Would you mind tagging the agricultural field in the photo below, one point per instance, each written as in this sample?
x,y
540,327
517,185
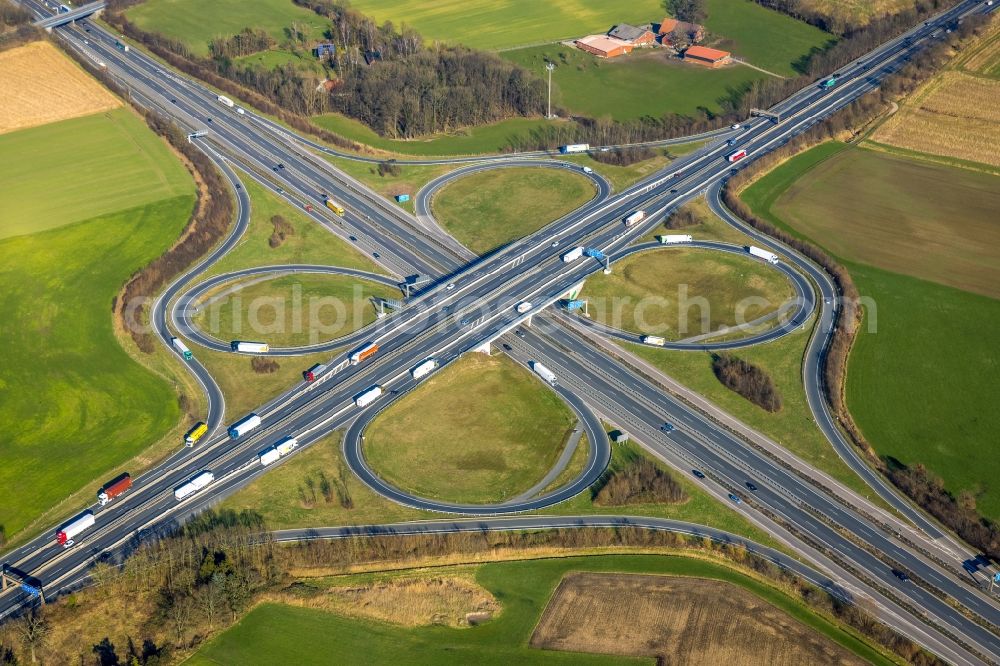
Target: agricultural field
x,y
954,115
488,25
438,441
83,168
983,57
41,86
763,37
920,380
899,214
196,23
277,632
704,621
856,12
488,209
290,310
644,83
682,292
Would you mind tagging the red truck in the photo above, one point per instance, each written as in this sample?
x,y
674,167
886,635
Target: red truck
x,y
737,156
114,489
309,207
313,372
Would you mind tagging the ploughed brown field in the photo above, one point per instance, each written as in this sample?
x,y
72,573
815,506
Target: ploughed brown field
x,y
678,621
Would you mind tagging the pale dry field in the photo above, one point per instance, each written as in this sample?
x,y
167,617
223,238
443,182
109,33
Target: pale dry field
x,y
451,601
955,115
861,11
983,58
679,621
40,85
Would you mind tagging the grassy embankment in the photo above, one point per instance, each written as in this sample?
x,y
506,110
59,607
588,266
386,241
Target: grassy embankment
x,y
920,380
278,632
76,405
488,209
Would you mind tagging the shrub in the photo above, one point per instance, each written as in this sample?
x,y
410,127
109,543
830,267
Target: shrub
x,y
640,482
748,380
263,365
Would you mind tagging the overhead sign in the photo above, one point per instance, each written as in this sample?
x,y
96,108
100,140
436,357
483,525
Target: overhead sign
x,y
31,589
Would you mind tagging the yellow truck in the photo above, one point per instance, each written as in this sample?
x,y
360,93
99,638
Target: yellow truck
x,y
334,206
195,433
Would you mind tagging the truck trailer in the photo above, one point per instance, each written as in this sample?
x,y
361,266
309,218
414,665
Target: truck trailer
x,y
574,148
367,397
244,425
195,433
544,372
268,456
181,348
632,218
193,485
244,347
334,206
737,156
75,527
769,257
312,373
364,353
670,239
114,489
573,254
424,368
225,101
653,340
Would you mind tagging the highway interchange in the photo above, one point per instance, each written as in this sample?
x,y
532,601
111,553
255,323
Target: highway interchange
x,y
854,542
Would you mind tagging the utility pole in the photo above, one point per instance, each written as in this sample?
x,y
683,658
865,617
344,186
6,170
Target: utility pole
x,y
550,66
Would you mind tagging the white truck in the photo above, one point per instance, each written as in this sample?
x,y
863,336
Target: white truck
x,y
225,101
286,445
653,340
72,529
268,456
632,218
574,148
523,307
670,239
367,397
769,257
573,254
544,372
181,348
424,368
196,483
244,425
250,347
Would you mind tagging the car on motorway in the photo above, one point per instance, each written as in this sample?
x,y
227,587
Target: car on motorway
x,y
736,126
507,347
451,285
354,239
901,575
735,498
698,473
209,120
308,207
466,321
674,191
238,186
731,142
376,255
751,486
280,165
519,333
667,427
555,243
173,101
274,169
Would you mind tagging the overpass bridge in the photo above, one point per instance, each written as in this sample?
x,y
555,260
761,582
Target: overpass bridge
x,y
62,18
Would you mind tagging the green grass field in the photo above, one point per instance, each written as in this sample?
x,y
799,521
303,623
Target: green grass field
x,y
919,387
662,292
438,442
763,37
197,23
292,310
491,138
488,209
274,633
409,181
644,83
483,24
75,404
310,243
78,169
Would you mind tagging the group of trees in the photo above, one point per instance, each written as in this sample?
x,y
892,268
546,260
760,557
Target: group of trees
x,y
244,43
622,156
640,481
682,217
16,27
282,230
262,365
691,11
747,379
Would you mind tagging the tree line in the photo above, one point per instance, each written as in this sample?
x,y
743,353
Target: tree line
x,y
244,43
958,513
691,11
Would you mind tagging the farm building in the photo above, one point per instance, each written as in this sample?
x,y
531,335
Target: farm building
x,y
603,47
675,33
632,35
703,55
321,50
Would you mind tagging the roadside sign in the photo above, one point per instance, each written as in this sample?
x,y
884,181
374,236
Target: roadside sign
x,y
30,589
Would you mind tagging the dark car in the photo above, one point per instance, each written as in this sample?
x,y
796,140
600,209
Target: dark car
x,y
519,333
173,101
209,120
735,498
353,238
376,255
698,473
238,186
667,427
901,575
507,347
274,168
751,486
280,165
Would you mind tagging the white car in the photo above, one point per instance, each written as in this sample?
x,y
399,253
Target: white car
x,y
736,126
451,285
